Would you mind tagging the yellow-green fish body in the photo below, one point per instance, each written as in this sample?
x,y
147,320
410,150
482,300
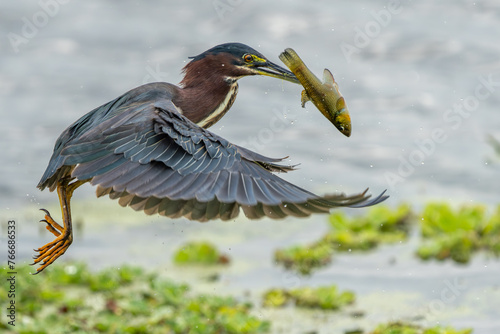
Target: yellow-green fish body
x,y
325,95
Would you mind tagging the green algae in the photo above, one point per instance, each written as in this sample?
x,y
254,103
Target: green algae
x,y
71,299
324,297
403,328
457,233
199,252
380,225
362,233
304,259
446,233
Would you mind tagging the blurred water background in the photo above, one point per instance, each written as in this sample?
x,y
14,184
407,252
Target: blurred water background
x,y
422,82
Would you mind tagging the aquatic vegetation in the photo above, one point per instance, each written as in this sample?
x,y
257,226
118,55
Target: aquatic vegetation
x,y
447,233
199,252
458,247
325,298
276,298
456,234
381,225
71,299
304,258
403,328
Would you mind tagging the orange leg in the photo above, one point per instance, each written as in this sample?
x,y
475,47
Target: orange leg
x,y
64,235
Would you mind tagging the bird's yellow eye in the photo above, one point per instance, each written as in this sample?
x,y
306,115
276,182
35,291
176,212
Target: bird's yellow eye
x,y
248,58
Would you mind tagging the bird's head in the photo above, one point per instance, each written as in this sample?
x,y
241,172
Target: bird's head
x,y
230,62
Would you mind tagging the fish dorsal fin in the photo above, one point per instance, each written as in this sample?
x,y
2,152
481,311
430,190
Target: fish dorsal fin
x,y
328,77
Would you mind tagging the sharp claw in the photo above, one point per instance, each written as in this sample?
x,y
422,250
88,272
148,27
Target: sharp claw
x,y
48,253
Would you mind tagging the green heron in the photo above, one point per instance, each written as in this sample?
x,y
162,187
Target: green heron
x,y
151,150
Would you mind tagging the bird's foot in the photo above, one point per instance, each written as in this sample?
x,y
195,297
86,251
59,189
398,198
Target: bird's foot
x,y
52,226
54,249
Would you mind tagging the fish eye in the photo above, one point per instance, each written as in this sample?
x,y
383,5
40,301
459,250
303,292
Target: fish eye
x,y
248,58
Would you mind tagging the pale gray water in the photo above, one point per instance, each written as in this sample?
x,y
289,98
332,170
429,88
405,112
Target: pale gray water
x,y
401,85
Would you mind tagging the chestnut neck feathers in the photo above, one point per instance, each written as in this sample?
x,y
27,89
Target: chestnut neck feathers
x,y
208,89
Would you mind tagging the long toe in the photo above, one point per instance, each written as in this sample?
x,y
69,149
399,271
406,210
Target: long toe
x,y
50,221
49,245
50,228
47,252
52,251
54,254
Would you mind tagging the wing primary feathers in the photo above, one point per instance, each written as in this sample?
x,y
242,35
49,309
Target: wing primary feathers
x,y
140,150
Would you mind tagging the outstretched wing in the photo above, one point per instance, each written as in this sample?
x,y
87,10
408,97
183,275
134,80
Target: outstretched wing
x,y
152,158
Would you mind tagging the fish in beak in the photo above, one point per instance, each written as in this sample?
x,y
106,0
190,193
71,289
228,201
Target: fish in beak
x,y
324,95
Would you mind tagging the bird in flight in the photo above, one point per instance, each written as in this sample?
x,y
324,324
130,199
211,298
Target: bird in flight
x,y
150,149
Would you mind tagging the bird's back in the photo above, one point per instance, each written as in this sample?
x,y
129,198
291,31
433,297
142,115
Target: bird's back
x,y
57,169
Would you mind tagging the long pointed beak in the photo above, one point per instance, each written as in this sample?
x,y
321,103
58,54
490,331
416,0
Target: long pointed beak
x,y
272,70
